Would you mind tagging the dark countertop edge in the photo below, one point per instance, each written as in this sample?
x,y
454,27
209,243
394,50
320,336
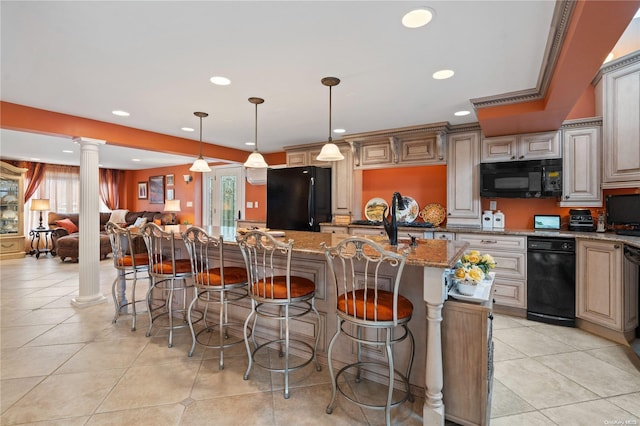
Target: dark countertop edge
x,y
601,236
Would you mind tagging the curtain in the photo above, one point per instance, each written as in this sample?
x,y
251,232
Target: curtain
x,y
61,185
33,177
109,184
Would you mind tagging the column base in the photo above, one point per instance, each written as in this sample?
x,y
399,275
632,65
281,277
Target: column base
x,y
86,301
432,416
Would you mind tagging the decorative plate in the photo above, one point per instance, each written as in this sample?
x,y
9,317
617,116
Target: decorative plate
x,y
7,199
410,212
9,214
433,213
375,209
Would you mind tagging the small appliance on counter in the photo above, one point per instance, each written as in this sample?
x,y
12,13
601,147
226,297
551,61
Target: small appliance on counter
x,y
581,220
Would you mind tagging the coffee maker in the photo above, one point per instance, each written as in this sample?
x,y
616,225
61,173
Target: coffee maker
x,y
581,220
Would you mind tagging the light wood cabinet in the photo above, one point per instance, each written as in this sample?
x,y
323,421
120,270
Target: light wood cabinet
x,y
510,253
331,229
403,147
581,167
463,180
618,94
11,211
467,359
599,290
532,146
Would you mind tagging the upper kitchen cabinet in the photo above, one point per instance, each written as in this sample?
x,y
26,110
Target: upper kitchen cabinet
x,y
402,147
618,101
463,179
531,146
581,163
305,157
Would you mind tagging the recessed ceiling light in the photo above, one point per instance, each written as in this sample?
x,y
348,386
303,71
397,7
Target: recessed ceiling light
x,y
135,159
417,18
461,113
250,143
120,113
187,129
443,74
67,151
220,81
339,130
35,159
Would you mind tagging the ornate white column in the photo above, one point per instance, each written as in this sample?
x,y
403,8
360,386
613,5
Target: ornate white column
x,y
89,249
433,410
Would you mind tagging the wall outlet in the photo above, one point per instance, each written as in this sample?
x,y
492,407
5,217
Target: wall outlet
x,y
493,205
189,203
249,204
255,204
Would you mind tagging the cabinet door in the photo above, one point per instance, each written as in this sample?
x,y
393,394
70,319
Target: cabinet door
x,y
538,146
500,148
376,154
420,150
599,286
621,121
297,159
581,168
346,192
367,231
463,185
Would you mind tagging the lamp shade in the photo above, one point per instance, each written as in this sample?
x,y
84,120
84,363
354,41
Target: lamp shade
x,y
256,161
330,152
40,204
200,165
172,206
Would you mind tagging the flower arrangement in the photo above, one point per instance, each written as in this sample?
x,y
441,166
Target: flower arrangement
x,y
472,267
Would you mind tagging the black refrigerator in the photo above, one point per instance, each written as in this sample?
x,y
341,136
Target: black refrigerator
x,y
298,198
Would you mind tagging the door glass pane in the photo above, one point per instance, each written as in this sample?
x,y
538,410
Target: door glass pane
x,y
228,205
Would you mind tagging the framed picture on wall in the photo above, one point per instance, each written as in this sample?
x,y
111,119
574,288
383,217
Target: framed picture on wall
x,y
169,181
156,189
142,190
170,194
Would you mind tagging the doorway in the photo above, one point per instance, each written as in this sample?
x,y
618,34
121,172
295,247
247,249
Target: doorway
x,y
223,198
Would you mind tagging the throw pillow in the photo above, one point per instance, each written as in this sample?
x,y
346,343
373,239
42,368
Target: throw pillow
x,y
67,224
118,216
139,222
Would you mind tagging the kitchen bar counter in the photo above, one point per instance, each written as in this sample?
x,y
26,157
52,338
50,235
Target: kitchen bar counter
x,y
421,283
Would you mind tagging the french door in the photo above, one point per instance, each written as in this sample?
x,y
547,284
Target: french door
x,y
223,198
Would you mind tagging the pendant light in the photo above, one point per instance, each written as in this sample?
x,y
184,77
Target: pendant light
x,y
330,151
200,165
255,160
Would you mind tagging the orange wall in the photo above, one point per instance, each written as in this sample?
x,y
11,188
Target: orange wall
x,y
425,184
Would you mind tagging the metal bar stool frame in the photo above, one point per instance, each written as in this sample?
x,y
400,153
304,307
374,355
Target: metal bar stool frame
x,y
216,284
277,297
128,264
165,270
364,304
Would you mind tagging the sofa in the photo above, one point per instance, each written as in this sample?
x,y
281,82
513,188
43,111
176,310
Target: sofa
x,y
66,236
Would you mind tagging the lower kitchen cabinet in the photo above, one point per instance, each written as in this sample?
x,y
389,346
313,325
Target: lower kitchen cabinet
x,y
467,359
510,254
603,295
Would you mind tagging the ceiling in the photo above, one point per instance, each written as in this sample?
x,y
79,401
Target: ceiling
x,y
154,60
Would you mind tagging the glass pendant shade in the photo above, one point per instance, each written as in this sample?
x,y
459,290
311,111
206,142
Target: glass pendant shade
x,y
200,165
256,160
330,152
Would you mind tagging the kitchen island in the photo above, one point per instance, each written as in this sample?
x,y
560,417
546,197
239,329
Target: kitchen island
x,y
421,282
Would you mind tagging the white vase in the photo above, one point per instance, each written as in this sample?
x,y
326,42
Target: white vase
x,y
466,289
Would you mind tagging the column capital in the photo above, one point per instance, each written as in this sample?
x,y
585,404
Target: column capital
x,y
89,141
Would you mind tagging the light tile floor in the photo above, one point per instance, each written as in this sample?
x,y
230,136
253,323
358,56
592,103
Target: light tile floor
x,y
66,366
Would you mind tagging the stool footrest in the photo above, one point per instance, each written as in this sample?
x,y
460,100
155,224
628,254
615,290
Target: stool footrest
x,y
353,396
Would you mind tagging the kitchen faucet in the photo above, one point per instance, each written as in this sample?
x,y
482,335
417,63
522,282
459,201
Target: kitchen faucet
x,y
391,228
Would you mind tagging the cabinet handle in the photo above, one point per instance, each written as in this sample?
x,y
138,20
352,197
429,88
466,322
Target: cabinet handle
x,y
521,157
566,197
617,246
489,241
513,157
491,317
448,214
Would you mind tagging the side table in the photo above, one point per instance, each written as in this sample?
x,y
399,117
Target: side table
x,y
36,234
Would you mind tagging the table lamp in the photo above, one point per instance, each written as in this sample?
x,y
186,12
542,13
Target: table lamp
x,y
172,206
42,205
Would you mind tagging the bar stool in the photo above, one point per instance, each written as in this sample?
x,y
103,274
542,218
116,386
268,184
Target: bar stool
x,y
169,275
276,295
129,264
217,285
369,311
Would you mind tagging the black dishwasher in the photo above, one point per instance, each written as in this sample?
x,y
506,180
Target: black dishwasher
x,y
551,280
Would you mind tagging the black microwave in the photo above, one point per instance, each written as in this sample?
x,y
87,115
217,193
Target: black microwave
x,y
522,179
